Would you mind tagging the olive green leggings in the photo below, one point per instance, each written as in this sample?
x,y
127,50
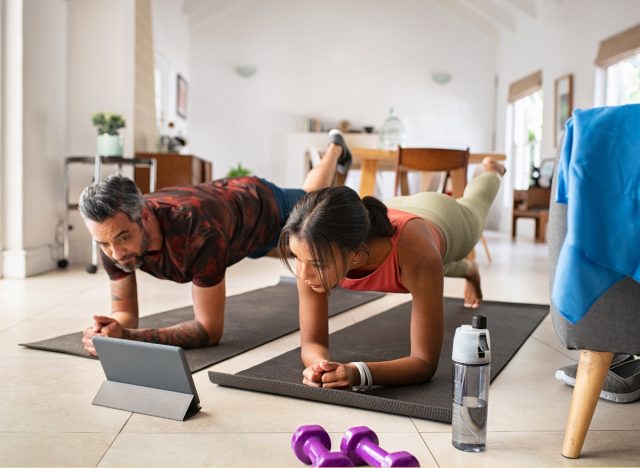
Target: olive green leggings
x,y
461,220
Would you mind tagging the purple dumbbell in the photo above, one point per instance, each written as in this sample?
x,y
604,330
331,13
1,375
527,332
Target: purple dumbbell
x,y
312,446
360,444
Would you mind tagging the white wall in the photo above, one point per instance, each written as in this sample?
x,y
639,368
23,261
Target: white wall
x,y
36,135
101,74
65,60
101,68
334,60
45,111
3,41
12,148
171,43
564,38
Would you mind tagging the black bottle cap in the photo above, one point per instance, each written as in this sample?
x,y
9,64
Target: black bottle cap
x,y
479,321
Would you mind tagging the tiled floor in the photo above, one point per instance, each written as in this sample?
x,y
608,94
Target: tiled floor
x,y
46,416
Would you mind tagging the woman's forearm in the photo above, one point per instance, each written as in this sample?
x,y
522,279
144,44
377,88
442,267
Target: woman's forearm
x,y
313,353
403,371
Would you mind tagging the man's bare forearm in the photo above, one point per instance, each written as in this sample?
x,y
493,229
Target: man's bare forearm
x,y
124,301
185,335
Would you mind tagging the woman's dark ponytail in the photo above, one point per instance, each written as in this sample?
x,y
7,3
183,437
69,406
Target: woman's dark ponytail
x,y
334,216
380,224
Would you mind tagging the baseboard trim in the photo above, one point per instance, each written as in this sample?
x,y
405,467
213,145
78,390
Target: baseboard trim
x,y
24,263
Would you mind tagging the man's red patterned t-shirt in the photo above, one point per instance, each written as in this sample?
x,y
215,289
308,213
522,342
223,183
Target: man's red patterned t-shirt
x,y
206,228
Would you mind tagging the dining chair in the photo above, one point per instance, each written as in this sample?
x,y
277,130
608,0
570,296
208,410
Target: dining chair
x,y
452,162
531,203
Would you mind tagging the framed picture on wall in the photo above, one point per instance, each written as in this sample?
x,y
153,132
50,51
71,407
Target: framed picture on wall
x,y
182,88
563,105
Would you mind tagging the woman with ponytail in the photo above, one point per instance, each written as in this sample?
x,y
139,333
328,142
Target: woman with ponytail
x,y
406,245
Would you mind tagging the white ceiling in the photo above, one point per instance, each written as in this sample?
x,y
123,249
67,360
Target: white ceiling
x,y
490,17
201,11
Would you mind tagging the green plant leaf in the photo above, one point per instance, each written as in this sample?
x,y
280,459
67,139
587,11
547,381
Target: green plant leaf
x,y
238,171
106,122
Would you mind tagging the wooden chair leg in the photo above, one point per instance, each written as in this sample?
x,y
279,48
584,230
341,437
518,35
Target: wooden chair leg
x,y
543,228
404,183
592,371
339,179
540,228
486,247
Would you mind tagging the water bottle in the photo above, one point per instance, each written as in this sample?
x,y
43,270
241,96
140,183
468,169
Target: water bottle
x,y
471,372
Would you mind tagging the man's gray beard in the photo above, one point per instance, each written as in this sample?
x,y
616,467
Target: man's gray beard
x,y
128,269
139,258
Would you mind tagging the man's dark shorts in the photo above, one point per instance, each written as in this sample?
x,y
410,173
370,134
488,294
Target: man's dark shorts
x,y
286,199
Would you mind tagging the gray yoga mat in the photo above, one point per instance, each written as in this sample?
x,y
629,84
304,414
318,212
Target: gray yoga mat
x,y
385,337
251,319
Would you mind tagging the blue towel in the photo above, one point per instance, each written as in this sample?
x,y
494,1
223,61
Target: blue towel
x,y
599,181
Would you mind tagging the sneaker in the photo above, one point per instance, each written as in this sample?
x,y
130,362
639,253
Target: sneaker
x,y
622,384
345,159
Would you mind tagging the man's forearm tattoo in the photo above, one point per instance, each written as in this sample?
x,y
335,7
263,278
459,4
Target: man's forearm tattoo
x,y
185,335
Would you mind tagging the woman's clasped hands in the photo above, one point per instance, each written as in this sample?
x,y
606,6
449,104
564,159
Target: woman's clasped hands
x,y
329,374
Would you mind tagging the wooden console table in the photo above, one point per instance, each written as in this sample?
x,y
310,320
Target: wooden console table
x,y
174,169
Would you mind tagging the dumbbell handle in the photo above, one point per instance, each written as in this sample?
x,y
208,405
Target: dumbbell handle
x,y
314,449
372,453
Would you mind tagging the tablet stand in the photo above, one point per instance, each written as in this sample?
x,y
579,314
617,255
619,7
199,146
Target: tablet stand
x,y
145,400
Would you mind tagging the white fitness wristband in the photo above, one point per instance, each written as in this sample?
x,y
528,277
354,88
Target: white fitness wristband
x,y
366,380
369,377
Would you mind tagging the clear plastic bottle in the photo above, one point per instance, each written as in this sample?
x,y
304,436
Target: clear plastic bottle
x,y
391,133
471,374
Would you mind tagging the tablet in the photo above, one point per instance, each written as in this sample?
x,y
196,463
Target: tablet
x,y
146,364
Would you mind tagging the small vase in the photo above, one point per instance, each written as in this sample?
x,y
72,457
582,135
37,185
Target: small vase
x,y
392,133
109,145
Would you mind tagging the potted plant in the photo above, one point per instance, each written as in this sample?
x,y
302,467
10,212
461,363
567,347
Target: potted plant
x,y
238,171
109,138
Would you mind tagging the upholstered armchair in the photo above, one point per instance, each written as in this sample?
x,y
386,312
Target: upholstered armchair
x,y
612,325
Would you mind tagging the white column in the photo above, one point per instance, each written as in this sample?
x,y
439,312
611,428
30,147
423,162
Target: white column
x,y
13,253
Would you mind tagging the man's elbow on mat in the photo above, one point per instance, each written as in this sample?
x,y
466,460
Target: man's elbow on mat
x,y
215,335
195,334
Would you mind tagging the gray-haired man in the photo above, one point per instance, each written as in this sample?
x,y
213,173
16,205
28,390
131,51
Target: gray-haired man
x,y
187,234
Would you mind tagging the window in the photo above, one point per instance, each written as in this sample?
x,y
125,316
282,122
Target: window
x,y
161,74
527,130
618,73
157,82
623,82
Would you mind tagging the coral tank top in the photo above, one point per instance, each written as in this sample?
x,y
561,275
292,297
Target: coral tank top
x,y
386,278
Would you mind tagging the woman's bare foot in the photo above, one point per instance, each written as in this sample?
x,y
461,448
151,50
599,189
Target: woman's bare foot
x,y
491,165
472,291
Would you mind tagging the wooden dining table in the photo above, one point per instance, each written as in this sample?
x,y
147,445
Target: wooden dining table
x,y
371,160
